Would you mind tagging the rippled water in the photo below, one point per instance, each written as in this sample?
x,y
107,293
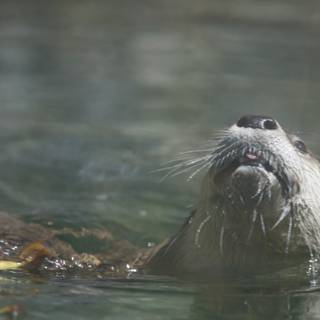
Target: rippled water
x,y
95,95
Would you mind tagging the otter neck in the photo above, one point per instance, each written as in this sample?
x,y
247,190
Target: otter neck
x,y
225,234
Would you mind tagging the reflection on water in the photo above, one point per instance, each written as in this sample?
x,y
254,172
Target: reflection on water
x,y
96,94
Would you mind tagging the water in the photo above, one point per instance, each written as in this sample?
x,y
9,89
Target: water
x,y
96,94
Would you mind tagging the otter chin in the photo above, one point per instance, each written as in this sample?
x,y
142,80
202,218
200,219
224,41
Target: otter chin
x,y
259,206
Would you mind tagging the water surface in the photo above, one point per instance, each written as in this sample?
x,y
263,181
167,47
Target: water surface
x,y
95,95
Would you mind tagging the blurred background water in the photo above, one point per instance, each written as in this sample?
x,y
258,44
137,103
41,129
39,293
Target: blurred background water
x,y
95,95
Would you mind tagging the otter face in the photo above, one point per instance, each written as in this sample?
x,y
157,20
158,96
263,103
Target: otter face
x,y
260,169
255,154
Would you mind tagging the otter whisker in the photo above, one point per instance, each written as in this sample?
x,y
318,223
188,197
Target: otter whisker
x,y
196,151
225,146
222,229
199,230
285,212
181,159
223,157
263,226
225,149
289,234
259,192
269,193
185,163
253,221
205,165
185,166
176,162
226,153
221,134
186,158
182,170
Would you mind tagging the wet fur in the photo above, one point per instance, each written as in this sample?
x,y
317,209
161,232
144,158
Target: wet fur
x,y
224,233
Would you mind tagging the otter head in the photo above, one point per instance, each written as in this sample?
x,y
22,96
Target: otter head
x,y
260,203
263,187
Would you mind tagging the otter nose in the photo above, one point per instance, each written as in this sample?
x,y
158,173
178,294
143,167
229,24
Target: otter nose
x,y
257,122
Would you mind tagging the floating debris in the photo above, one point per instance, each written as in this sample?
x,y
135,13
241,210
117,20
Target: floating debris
x,y
30,258
11,311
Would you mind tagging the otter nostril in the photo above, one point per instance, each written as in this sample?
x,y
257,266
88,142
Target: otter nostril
x,y
257,122
243,122
269,124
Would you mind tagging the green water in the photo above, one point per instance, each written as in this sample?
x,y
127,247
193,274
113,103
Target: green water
x,y
95,95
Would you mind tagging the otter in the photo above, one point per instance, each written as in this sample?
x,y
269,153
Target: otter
x,y
259,210
259,207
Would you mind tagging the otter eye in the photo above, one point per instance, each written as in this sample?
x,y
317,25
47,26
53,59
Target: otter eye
x,y
300,145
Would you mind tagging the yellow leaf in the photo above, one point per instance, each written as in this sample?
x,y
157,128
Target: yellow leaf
x,y
9,265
